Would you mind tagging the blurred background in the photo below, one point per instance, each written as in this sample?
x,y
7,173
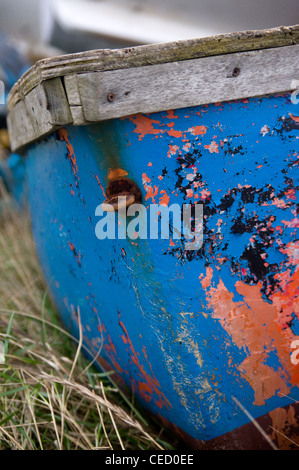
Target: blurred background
x,y
76,25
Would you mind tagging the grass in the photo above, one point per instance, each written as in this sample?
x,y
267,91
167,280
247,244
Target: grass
x,y
50,396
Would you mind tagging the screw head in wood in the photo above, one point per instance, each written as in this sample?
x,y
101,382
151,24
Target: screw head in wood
x,y
111,97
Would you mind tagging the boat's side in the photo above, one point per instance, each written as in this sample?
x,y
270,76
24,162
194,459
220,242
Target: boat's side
x,y
207,339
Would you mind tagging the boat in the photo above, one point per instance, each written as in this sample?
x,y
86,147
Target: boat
x,y
206,337
13,64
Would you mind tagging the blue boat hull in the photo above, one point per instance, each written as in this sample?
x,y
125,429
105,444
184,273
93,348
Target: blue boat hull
x,y
199,336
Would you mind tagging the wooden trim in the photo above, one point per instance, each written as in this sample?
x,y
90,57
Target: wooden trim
x,y
42,111
92,96
189,83
103,60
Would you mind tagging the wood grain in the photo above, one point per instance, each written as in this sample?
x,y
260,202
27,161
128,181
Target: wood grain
x,y
190,83
42,111
78,88
103,60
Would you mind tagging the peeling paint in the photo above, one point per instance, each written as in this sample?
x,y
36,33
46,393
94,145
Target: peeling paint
x,y
186,330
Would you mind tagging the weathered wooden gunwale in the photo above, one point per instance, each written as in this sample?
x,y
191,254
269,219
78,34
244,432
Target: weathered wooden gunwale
x,y
113,59
65,77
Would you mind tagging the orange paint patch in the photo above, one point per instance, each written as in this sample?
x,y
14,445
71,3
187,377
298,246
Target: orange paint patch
x,y
206,281
204,194
116,173
174,133
77,255
109,348
99,183
280,203
145,391
171,115
150,384
151,192
291,194
164,200
63,135
294,223
295,118
198,130
173,149
144,125
213,147
145,178
101,328
284,299
171,242
111,344
253,326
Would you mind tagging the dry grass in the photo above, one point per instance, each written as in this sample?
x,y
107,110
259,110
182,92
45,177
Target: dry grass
x,y
50,397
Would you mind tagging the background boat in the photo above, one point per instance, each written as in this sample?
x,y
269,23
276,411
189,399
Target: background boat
x,y
79,25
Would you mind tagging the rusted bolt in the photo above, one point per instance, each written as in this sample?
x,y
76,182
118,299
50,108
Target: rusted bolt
x,y
111,97
236,72
118,202
124,188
